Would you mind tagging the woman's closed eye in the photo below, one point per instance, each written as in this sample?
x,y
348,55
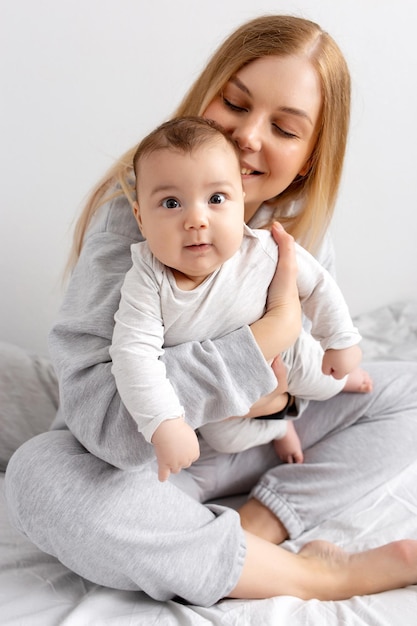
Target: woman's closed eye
x,y
232,106
284,133
240,109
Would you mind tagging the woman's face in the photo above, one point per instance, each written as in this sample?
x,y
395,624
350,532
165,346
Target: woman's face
x,y
271,107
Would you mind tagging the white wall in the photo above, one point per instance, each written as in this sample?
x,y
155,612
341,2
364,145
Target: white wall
x,y
82,80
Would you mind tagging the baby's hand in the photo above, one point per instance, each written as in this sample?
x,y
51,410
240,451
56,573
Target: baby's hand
x,y
339,363
176,446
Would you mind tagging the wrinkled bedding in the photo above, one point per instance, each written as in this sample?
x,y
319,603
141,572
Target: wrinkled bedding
x,y
36,590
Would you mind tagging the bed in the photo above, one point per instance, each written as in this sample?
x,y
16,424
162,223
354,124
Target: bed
x,y
36,590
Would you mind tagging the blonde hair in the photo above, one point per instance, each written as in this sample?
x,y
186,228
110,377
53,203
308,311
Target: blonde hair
x,y
268,35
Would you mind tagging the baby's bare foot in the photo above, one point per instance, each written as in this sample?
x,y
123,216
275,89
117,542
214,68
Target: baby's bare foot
x,y
358,381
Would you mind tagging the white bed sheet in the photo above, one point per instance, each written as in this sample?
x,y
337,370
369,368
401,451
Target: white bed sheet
x,y
36,590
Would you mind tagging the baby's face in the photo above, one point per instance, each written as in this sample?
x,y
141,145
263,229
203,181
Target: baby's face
x,y
191,207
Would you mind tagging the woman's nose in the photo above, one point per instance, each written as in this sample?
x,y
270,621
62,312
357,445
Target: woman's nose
x,y
248,134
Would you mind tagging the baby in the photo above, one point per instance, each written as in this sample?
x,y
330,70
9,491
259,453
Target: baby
x,y
202,273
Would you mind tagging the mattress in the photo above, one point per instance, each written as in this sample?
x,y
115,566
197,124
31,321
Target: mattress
x,y
36,590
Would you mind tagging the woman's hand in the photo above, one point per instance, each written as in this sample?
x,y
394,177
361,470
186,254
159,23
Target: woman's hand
x,y
277,400
278,329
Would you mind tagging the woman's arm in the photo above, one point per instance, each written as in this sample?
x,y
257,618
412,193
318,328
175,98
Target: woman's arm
x,y
222,377
283,309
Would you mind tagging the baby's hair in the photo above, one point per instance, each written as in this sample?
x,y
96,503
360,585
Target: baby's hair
x,y
183,134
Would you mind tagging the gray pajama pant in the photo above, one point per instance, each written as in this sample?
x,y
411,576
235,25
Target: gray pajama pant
x,y
126,530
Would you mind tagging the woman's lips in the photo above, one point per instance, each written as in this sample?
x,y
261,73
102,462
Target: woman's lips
x,y
245,171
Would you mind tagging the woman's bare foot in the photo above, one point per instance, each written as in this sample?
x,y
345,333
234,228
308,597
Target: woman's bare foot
x,y
323,571
358,381
390,566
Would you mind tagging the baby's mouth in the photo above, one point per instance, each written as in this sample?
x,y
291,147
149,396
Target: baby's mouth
x,y
196,246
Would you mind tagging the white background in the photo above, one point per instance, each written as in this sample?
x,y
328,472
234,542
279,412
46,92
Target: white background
x,y
83,80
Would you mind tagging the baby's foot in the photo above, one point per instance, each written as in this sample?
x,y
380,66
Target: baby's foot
x,y
358,381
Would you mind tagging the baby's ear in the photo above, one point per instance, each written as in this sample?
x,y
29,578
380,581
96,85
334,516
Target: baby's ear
x,y
136,213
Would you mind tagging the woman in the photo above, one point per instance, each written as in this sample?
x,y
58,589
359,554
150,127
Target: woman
x,y
88,492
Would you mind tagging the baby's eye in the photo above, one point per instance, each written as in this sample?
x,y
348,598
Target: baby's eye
x,y
217,198
170,203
